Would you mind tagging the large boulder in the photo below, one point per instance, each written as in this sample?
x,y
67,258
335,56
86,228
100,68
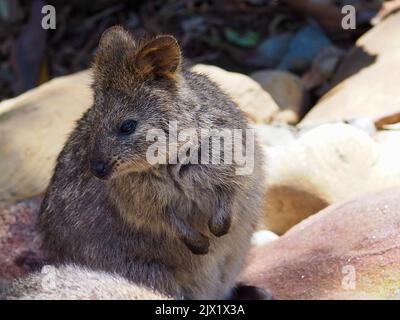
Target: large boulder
x,y
275,135
286,89
256,103
20,244
366,84
347,251
33,129
35,125
325,165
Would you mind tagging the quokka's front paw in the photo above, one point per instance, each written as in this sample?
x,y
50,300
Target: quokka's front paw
x,y
198,244
219,225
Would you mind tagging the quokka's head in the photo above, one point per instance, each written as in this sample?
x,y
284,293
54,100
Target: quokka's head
x,y
138,88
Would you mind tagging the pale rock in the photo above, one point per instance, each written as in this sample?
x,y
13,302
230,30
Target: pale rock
x,y
285,117
33,129
262,237
275,135
286,89
326,165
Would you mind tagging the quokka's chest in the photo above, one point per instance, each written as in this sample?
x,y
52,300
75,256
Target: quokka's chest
x,y
166,209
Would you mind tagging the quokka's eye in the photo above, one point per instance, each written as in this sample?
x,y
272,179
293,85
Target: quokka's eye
x,y
127,127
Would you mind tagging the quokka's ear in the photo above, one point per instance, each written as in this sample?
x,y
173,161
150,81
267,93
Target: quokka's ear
x,y
114,45
160,57
114,37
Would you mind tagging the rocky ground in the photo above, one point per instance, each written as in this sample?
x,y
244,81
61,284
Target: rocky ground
x,y
333,176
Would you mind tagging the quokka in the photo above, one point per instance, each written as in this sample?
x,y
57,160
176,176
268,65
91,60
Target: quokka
x,y
183,229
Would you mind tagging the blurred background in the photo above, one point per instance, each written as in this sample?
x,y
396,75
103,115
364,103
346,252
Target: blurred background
x,y
302,37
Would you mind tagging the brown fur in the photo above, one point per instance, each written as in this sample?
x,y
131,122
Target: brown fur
x,y
74,283
182,229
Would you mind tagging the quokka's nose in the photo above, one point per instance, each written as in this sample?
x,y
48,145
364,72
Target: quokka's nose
x,y
99,169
